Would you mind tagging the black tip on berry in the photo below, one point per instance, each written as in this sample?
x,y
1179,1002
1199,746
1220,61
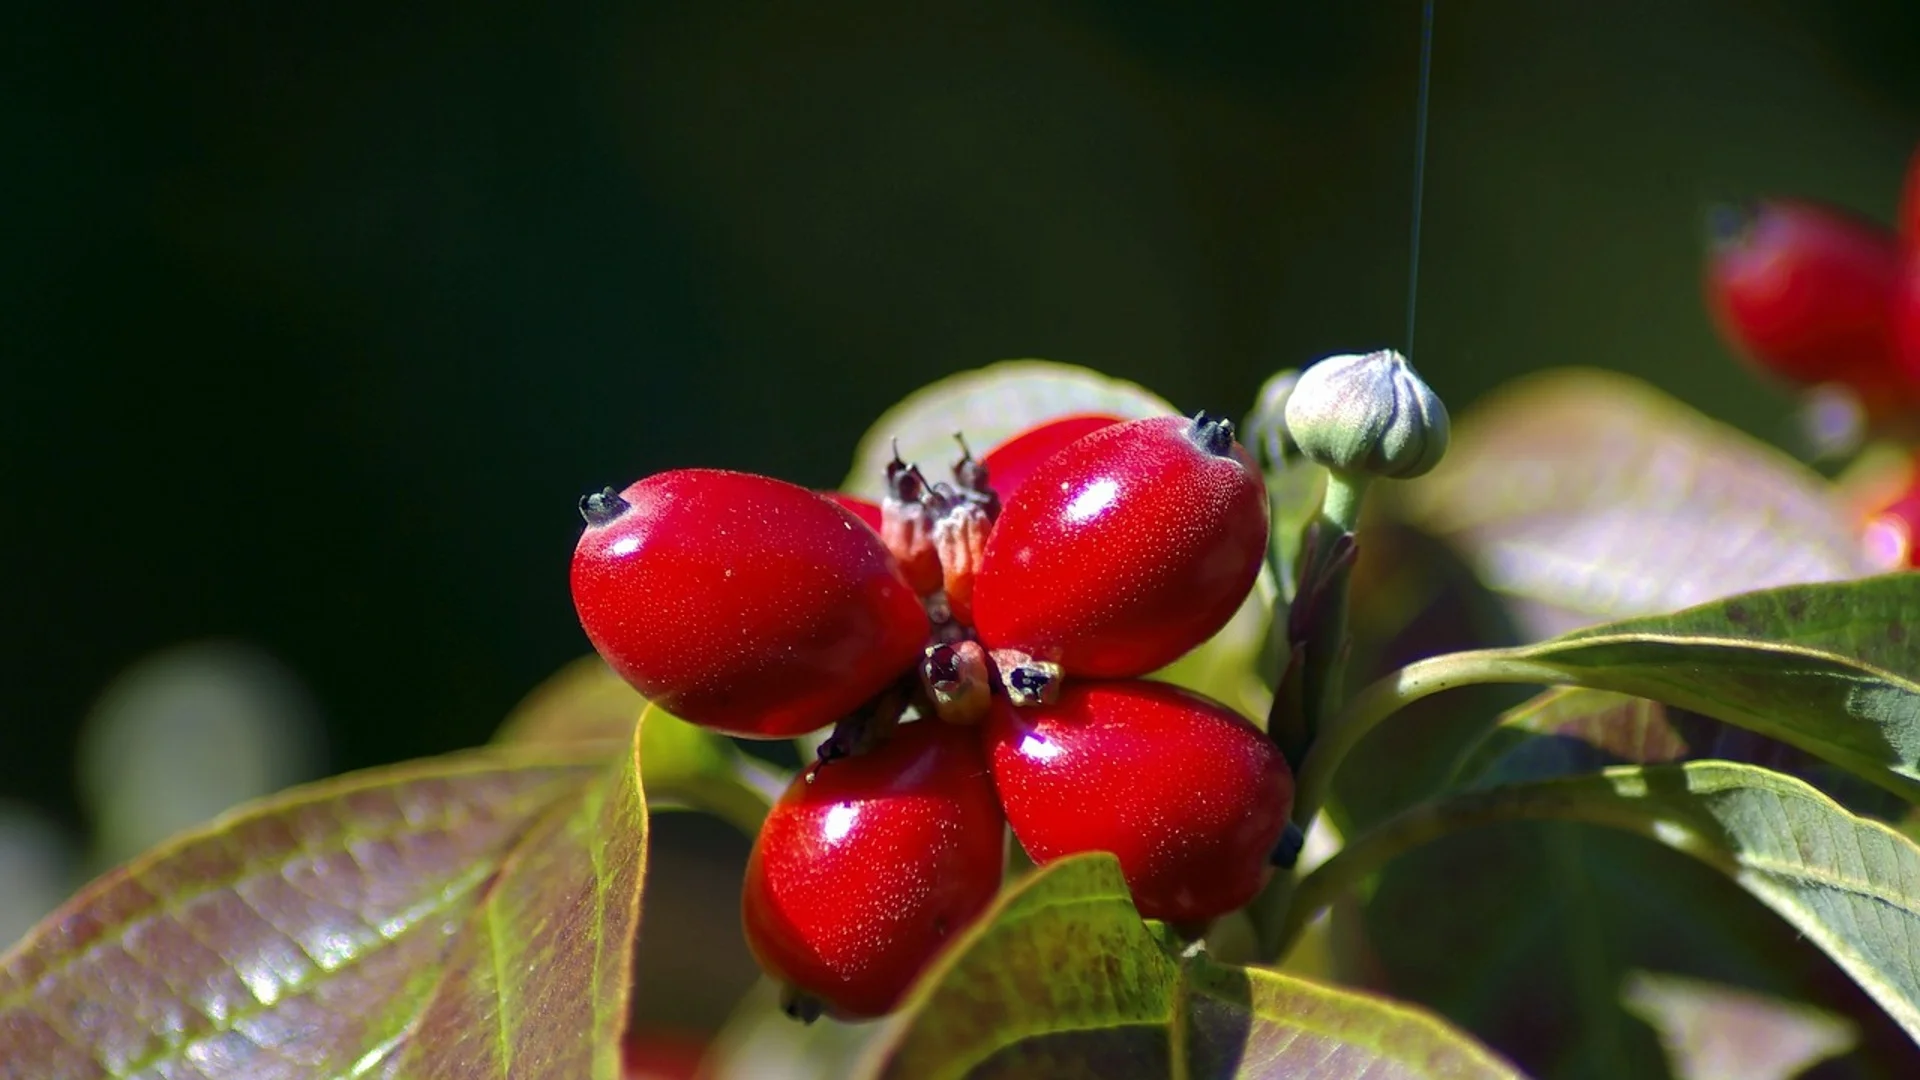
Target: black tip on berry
x,y
1729,224
1286,853
603,507
800,1006
1212,433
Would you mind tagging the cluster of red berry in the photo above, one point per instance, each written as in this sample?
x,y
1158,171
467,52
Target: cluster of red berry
x,y
979,646
1823,299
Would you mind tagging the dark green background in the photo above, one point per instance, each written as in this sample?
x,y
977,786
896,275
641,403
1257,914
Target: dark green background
x,y
316,318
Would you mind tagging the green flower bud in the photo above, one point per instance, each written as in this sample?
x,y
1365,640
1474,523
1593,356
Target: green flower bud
x,y
1368,414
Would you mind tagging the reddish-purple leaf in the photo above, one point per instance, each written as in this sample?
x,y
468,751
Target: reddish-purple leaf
x,y
537,986
302,936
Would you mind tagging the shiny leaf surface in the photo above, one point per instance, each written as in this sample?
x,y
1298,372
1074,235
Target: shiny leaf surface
x,y
1062,979
302,936
1583,495
1849,885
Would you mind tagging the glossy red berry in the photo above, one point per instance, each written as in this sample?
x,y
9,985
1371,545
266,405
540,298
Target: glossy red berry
x,y
1126,549
859,877
1806,293
861,508
1190,796
1009,464
743,603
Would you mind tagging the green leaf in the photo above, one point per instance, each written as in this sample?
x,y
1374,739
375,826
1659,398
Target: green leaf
x,y
1571,730
1061,978
1849,885
1862,719
1874,620
1585,495
989,405
1251,1022
301,936
1060,974
683,766
538,981
1717,1032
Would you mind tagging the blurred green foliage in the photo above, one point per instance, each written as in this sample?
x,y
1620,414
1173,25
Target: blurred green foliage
x,y
318,318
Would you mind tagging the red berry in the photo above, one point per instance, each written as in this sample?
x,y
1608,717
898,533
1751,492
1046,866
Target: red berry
x,y
1892,534
1125,549
862,509
743,603
1009,464
860,876
1805,293
1906,318
1190,796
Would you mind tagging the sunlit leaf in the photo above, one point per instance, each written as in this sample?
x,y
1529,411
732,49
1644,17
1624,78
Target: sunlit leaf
x,y
301,936
1717,1032
1848,885
989,405
1062,979
1059,974
1860,718
1585,495
1573,729
538,981
1875,620
1249,1022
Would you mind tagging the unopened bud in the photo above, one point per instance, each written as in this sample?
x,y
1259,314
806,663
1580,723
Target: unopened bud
x,y
1368,413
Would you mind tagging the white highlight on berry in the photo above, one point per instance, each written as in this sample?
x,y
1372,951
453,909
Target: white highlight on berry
x,y
840,819
1037,748
1097,497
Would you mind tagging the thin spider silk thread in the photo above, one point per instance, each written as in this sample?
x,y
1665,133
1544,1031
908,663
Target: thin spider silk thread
x,y
1419,164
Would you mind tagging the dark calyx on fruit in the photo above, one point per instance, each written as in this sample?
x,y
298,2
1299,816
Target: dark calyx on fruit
x,y
1212,433
603,507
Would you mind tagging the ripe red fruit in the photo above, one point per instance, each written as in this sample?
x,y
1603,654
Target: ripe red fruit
x,y
1892,534
1805,292
861,508
1190,796
860,877
1125,549
1009,464
1906,318
743,603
